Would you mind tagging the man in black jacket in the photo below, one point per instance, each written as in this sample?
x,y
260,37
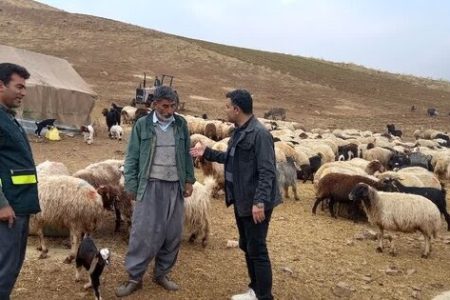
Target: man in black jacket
x,y
251,186
18,182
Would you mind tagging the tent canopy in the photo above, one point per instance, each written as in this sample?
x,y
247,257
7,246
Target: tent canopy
x,y
54,90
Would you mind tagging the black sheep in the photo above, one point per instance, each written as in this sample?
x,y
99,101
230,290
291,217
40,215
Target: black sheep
x,y
306,171
93,261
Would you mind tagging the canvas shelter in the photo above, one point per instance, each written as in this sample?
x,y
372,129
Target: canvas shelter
x,y
54,90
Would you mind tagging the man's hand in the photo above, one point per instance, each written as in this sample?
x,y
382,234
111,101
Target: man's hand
x,y
198,150
258,214
187,190
7,214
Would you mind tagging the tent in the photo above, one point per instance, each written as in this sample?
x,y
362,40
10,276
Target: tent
x,y
54,90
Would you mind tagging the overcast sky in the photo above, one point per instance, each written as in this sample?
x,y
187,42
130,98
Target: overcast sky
x,y
400,36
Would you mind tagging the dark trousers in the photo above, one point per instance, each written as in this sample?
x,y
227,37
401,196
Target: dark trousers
x,y
13,243
252,240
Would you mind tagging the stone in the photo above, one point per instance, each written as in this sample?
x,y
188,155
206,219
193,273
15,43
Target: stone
x,y
287,270
342,289
232,244
367,279
410,272
349,242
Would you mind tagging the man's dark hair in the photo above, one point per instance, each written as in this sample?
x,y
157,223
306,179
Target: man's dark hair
x,y
242,99
8,69
165,92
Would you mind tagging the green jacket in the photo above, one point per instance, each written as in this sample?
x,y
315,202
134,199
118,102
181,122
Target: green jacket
x,y
18,182
141,147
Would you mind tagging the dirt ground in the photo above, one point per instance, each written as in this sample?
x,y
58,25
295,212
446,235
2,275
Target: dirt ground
x,y
310,254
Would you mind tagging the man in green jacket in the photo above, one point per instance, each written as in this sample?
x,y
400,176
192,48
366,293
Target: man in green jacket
x,y
159,172
18,183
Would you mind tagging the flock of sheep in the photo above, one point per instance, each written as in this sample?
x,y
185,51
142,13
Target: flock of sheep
x,y
401,180
366,173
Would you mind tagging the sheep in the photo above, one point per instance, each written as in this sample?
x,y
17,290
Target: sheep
x,y
287,175
196,137
112,117
196,211
307,171
139,113
377,153
391,129
115,197
67,202
88,134
116,132
428,178
437,196
275,113
337,167
399,212
101,173
49,168
336,187
128,113
347,152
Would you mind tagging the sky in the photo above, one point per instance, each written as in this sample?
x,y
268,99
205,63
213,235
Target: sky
x,y
399,36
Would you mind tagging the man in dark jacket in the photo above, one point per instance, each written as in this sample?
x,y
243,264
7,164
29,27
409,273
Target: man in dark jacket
x,y
251,185
18,183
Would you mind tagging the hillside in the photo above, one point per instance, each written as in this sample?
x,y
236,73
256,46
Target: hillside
x,y
111,56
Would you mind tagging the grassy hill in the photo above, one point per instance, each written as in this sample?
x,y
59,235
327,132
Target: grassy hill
x,y
112,56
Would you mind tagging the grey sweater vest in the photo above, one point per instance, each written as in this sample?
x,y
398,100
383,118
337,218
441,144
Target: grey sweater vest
x,y
164,165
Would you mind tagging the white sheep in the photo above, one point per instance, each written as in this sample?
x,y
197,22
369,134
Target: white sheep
x,y
196,211
128,113
48,168
102,173
377,153
116,132
398,212
66,202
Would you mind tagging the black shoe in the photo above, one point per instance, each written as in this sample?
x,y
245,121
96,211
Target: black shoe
x,y
127,288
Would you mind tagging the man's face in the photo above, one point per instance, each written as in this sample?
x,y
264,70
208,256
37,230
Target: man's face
x,y
231,111
11,94
165,108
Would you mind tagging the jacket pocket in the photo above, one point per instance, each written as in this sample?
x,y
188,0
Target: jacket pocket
x,y
245,150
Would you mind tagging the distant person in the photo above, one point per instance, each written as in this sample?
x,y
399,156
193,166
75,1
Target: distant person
x,y
413,108
159,172
157,81
251,186
18,182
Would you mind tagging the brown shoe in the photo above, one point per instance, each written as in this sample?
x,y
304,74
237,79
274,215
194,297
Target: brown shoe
x,y
127,288
166,283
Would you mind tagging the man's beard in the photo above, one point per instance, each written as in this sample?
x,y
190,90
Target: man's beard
x,y
164,119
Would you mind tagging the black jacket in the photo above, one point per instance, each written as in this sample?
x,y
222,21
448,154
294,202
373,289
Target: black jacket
x,y
254,168
18,182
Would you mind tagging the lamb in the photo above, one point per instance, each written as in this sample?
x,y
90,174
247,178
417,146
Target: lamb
x,y
88,134
94,261
287,175
67,202
347,152
395,132
399,212
336,187
116,132
437,196
196,211
42,124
